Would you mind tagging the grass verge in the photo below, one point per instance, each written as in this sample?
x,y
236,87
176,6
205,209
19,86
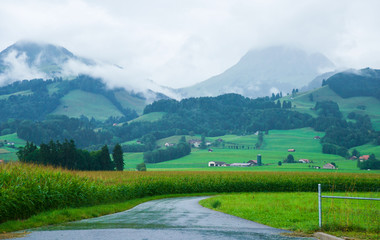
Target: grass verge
x,y
298,212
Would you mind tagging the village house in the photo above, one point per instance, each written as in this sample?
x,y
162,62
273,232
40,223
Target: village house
x,y
328,166
216,164
210,150
353,158
317,137
197,143
253,162
291,150
169,144
304,161
364,158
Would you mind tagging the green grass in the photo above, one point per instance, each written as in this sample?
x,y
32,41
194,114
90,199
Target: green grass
x,y
128,101
7,153
299,212
368,149
150,117
131,160
77,103
274,149
6,96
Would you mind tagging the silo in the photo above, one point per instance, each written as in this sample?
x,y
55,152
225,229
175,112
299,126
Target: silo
x,y
259,160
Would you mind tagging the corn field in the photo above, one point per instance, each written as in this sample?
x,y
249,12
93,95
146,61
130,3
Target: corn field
x,y
27,189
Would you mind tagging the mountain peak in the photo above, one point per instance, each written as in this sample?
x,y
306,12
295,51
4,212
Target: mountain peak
x,y
261,72
44,57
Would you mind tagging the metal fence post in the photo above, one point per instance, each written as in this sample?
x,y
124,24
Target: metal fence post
x,y
319,206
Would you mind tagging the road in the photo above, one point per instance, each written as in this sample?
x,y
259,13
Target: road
x,y
175,218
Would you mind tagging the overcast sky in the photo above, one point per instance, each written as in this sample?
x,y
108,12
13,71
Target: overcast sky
x,y
178,43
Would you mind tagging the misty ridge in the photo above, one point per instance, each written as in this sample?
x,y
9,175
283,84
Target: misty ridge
x,y
260,72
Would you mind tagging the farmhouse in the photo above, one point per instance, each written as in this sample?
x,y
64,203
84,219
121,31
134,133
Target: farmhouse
x,y
216,164
253,162
304,161
169,144
197,143
364,158
328,166
291,150
240,164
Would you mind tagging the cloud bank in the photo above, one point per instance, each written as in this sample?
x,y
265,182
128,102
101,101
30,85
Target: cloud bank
x,y
179,43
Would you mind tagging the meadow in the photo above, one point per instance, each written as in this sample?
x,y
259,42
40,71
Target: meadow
x,y
7,153
77,103
299,211
274,149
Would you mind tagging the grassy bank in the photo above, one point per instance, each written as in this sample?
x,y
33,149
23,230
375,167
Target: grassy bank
x,y
299,212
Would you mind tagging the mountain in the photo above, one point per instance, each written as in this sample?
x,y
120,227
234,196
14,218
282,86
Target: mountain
x,y
262,72
46,58
317,81
26,60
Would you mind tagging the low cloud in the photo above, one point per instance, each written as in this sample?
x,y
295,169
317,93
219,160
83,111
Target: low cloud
x,y
116,77
17,69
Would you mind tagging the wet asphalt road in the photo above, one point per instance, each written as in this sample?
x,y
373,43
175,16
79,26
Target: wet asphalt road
x,y
175,218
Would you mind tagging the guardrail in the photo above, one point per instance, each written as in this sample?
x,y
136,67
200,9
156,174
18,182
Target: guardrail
x,y
339,197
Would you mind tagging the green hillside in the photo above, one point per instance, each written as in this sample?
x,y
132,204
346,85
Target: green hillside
x,y
77,103
127,100
21,93
149,117
362,105
8,152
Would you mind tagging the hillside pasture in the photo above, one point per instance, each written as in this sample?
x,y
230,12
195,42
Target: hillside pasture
x,y
8,153
127,100
22,93
361,105
150,117
77,103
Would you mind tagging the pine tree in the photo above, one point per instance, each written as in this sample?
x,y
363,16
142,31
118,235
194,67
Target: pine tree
x,y
105,159
117,155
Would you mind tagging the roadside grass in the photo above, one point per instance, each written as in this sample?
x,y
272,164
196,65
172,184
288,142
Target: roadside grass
x,y
77,103
64,215
298,212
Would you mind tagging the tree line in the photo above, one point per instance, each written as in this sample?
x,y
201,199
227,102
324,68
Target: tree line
x,y
67,155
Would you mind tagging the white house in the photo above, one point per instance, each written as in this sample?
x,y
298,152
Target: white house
x,y
216,164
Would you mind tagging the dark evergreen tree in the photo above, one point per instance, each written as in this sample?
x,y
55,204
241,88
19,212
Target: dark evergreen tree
x,y
105,159
117,155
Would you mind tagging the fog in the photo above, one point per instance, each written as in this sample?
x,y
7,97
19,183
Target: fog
x,y
180,43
